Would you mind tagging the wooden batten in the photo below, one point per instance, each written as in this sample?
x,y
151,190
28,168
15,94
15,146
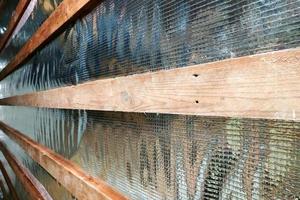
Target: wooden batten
x,y
16,17
8,182
33,187
260,86
63,14
71,176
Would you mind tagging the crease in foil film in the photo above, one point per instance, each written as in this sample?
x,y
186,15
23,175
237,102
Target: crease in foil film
x,y
167,156
122,37
174,157
55,190
59,130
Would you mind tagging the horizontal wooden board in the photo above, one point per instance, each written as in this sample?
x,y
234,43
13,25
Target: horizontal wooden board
x,y
33,187
63,14
71,176
15,18
260,86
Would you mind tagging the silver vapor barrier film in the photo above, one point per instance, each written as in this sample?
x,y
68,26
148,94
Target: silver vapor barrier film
x,y
6,9
121,37
37,12
151,156
51,185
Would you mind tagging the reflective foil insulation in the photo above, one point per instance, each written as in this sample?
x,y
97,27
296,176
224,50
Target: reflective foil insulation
x,y
37,12
150,156
9,6
157,156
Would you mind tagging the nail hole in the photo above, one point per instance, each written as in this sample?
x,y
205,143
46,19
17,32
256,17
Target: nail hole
x,y
197,101
196,75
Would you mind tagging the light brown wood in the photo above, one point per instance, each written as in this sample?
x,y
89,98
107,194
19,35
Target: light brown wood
x,y
8,182
71,176
260,86
33,187
15,18
63,14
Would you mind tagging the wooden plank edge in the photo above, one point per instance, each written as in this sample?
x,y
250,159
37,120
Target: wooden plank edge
x,y
15,18
66,12
33,187
72,177
260,86
8,182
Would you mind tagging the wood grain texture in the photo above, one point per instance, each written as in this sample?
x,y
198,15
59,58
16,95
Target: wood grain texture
x,y
64,13
260,86
71,176
12,190
33,187
15,18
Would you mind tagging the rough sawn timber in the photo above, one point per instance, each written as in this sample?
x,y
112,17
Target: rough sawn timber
x,y
67,11
72,177
259,86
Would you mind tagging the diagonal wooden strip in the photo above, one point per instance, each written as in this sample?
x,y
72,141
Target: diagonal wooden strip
x,y
63,14
8,182
15,18
34,188
72,177
260,86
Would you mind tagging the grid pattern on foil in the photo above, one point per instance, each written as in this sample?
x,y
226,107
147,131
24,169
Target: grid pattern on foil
x,y
55,190
41,11
149,156
59,130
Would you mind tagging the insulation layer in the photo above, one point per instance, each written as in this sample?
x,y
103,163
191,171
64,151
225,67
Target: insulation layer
x,y
36,13
55,190
149,156
6,8
174,157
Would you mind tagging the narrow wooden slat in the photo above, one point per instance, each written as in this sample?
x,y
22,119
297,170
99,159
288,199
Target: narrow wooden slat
x,y
34,188
63,14
260,86
18,13
72,177
8,182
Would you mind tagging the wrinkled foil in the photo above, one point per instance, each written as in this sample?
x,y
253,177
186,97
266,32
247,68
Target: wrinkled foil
x,y
41,11
55,190
149,156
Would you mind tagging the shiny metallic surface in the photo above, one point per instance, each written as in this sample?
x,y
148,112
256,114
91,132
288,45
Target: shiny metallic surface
x,y
6,9
159,156
54,189
40,10
149,156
